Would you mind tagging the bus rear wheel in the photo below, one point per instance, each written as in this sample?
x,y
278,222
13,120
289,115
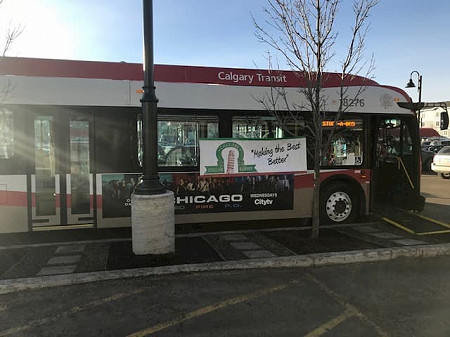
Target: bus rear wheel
x,y
338,204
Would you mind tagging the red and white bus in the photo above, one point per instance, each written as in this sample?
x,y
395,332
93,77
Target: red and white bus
x,y
70,145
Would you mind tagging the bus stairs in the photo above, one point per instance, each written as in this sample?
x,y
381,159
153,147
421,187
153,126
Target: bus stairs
x,y
413,223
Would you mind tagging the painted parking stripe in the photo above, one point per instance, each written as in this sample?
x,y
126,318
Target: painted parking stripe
x,y
72,311
325,328
349,308
443,224
396,224
211,308
435,232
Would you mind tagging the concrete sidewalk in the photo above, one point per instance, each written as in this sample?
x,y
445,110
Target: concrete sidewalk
x,y
55,258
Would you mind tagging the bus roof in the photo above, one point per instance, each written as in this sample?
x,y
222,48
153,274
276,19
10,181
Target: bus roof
x,y
165,73
71,82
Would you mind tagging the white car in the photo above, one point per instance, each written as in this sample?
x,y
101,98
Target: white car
x,y
441,162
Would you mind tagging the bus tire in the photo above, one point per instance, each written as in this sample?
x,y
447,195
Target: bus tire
x,y
445,175
338,204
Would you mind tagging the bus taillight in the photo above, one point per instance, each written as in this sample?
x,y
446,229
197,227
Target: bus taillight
x,y
363,174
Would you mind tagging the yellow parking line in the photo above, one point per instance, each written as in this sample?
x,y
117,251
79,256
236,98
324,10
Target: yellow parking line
x,y
435,232
332,323
74,310
350,310
396,224
443,224
210,308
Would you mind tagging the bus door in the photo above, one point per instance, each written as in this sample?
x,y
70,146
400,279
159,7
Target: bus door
x,y
396,180
62,183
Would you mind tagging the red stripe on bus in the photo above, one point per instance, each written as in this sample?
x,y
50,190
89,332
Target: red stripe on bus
x,y
99,202
165,73
13,198
306,181
57,200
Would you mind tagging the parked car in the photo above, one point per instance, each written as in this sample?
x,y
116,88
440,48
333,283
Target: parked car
x,y
441,162
428,153
427,159
435,148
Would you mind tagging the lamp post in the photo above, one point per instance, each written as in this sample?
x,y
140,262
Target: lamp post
x,y
150,181
411,84
152,206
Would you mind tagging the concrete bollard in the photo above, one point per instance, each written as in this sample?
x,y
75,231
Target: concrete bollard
x,y
153,224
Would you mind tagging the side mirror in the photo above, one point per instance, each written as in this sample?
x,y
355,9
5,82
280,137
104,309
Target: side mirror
x,y
444,120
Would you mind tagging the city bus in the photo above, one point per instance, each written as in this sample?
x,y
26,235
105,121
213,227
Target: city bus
x,y
70,145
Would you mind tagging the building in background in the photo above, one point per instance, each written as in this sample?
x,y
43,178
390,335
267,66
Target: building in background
x,y
431,118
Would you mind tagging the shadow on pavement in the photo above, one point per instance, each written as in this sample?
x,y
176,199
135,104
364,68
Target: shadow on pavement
x,y
187,250
329,241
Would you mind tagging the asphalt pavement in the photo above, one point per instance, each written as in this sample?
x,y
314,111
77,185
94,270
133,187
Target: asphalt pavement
x,y
42,259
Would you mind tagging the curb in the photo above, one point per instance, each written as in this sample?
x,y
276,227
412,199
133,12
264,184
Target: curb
x,y
298,261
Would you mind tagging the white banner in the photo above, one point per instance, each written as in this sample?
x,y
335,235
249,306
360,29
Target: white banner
x,y
238,156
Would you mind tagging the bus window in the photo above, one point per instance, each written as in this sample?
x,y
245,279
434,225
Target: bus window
x,y
177,143
346,147
178,139
394,139
256,127
6,134
44,165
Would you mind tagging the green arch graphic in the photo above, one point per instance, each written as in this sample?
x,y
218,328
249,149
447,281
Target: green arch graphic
x,y
220,167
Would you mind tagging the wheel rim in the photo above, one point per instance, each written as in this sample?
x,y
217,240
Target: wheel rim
x,y
339,206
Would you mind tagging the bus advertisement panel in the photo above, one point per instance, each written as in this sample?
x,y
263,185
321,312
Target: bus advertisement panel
x,y
237,156
198,194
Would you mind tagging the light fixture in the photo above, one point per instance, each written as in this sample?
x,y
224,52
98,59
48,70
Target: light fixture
x,y
410,84
419,88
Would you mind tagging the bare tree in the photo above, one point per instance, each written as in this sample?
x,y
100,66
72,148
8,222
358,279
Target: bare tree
x,y
11,35
304,33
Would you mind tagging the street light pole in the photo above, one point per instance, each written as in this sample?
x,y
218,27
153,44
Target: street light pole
x,y
150,180
419,88
152,206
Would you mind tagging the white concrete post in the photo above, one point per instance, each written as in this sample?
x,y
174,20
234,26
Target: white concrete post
x,y
153,223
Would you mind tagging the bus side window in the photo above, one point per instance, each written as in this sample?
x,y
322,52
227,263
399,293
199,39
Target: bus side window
x,y
256,128
6,134
178,138
346,147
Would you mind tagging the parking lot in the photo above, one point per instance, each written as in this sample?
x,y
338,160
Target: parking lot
x,y
437,193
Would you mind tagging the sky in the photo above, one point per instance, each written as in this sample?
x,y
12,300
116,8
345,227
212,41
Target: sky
x,y
404,35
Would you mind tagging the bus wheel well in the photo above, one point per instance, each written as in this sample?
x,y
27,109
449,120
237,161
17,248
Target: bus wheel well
x,y
342,200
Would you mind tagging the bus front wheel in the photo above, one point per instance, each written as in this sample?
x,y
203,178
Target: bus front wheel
x,y
338,204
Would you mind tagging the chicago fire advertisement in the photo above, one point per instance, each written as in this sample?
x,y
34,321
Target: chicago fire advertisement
x,y
196,194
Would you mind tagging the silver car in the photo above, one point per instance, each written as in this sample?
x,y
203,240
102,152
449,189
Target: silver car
x,y
441,162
